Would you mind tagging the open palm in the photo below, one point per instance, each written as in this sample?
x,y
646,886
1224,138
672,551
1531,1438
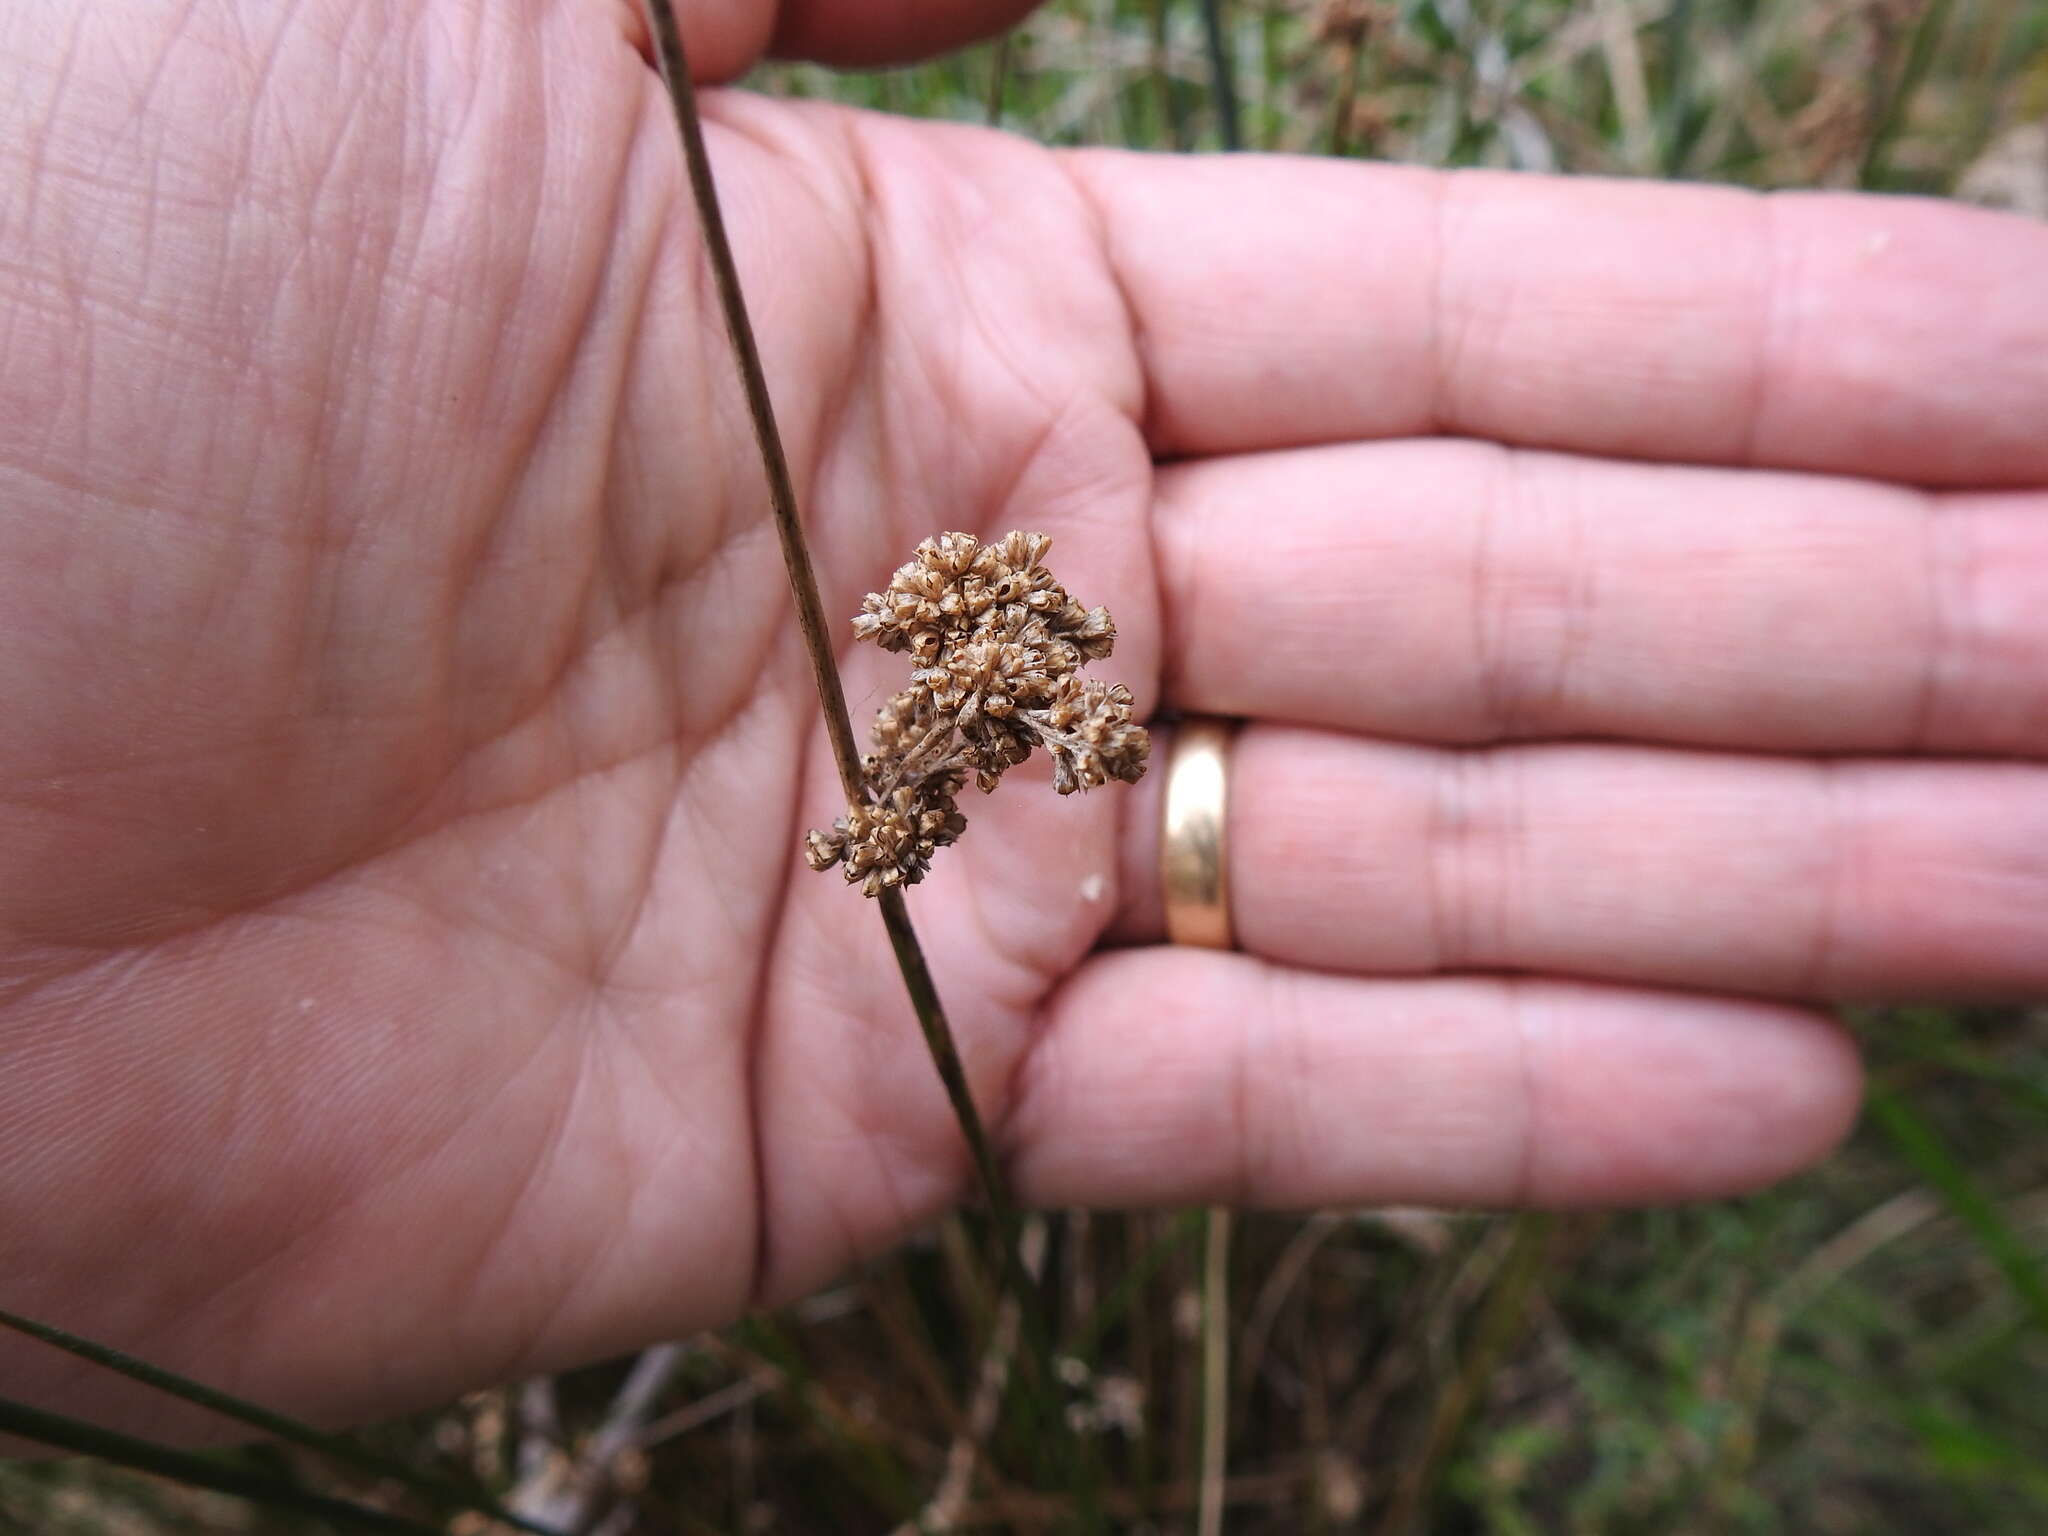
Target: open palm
x,y
408,974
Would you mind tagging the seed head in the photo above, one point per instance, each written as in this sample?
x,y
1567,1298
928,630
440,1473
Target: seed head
x,y
996,644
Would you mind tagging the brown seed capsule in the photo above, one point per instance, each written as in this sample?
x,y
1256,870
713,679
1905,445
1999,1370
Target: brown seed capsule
x,y
998,643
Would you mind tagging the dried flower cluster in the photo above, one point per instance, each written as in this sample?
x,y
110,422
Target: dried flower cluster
x,y
998,646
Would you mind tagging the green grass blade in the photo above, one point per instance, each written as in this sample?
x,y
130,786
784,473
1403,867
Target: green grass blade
x,y
1966,1451
1892,116
83,1439
1215,1371
1678,88
1503,1317
998,80
1222,81
1174,130
1921,1147
861,1456
1085,1343
1941,1039
276,1425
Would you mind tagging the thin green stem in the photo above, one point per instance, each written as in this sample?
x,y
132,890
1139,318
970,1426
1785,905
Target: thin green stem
x,y
1215,1372
276,1425
1162,78
998,79
1891,115
1079,1469
1222,81
1940,1167
1503,1316
1678,87
1351,56
1085,1342
84,1439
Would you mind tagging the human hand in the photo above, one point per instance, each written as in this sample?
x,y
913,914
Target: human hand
x,y
408,975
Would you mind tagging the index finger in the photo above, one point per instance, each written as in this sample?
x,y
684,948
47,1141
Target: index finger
x,y
1282,302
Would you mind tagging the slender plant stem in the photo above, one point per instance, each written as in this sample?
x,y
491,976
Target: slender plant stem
x,y
1678,88
796,555
1162,78
1503,1317
1222,84
572,1503
1215,1372
942,1510
1085,1342
1989,68
85,1439
1891,114
864,1456
1350,53
998,79
1950,1176
803,580
938,1038
1079,1470
277,1425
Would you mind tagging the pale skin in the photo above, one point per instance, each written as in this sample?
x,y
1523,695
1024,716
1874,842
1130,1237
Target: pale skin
x,y
1638,597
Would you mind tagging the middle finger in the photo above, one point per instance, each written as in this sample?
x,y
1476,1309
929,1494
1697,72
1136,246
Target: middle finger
x,y
1454,591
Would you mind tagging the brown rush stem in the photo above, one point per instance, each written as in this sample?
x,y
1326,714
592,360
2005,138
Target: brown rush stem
x,y
803,581
938,1038
796,555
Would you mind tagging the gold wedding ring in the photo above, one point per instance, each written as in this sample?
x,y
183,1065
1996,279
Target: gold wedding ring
x,y
1193,842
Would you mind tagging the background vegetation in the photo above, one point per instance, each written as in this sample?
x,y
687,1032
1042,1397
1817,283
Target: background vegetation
x,y
1861,1350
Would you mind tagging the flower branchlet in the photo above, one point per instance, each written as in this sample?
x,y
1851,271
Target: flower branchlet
x,y
996,646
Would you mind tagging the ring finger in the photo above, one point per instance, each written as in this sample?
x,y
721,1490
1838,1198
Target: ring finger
x,y
1798,878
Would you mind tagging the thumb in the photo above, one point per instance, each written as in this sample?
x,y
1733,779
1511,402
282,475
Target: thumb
x,y
725,38
857,33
